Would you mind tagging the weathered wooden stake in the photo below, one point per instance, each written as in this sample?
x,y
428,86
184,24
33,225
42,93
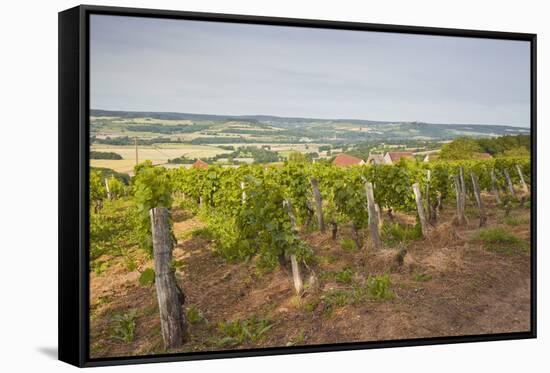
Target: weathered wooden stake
x,y
318,203
428,206
243,197
334,229
461,218
523,183
107,189
379,216
296,276
477,194
420,209
374,225
462,183
172,319
494,186
509,182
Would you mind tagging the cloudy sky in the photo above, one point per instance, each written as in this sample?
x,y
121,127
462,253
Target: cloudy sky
x,y
147,64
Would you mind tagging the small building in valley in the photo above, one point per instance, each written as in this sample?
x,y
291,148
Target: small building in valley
x,y
483,156
394,157
200,164
375,159
345,160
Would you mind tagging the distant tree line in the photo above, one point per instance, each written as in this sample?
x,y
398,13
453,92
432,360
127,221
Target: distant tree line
x,y
125,140
167,129
259,155
470,148
104,155
502,144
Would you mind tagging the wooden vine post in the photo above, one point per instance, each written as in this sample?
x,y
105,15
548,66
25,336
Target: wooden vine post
x,y
477,194
318,203
243,195
373,216
462,183
379,216
172,319
494,186
509,182
523,183
296,276
460,202
109,196
420,209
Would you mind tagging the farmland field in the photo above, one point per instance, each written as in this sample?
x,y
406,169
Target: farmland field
x,y
158,154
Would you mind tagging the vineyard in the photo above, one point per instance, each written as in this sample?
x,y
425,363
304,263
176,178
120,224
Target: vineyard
x,y
307,253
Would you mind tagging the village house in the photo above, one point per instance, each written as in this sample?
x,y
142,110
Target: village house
x,y
344,160
200,164
375,159
394,157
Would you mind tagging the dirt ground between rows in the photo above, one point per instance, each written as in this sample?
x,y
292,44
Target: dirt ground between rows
x,y
447,285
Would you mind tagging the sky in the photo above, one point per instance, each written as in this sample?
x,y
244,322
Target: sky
x,y
162,65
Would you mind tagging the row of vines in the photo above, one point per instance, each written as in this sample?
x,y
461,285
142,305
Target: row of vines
x,y
245,206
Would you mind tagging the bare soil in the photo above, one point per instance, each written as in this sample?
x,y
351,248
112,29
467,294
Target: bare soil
x,y
446,285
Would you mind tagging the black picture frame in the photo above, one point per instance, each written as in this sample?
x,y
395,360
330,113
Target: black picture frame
x,y
74,167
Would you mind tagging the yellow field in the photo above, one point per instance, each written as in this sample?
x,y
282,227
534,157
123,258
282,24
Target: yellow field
x,y
158,154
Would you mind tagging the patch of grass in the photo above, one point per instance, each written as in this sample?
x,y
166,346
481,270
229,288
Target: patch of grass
x,y
104,299
334,299
500,241
97,348
344,276
100,266
514,221
299,339
237,332
379,287
205,233
124,326
193,315
147,277
375,288
421,277
394,234
348,244
311,306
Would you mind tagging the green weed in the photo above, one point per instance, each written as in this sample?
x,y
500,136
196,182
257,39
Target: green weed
x,y
379,287
500,241
394,233
421,277
124,326
237,332
348,244
194,315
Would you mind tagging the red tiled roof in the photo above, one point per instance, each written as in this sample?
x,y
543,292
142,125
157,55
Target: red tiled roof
x,y
343,160
484,156
396,156
200,164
